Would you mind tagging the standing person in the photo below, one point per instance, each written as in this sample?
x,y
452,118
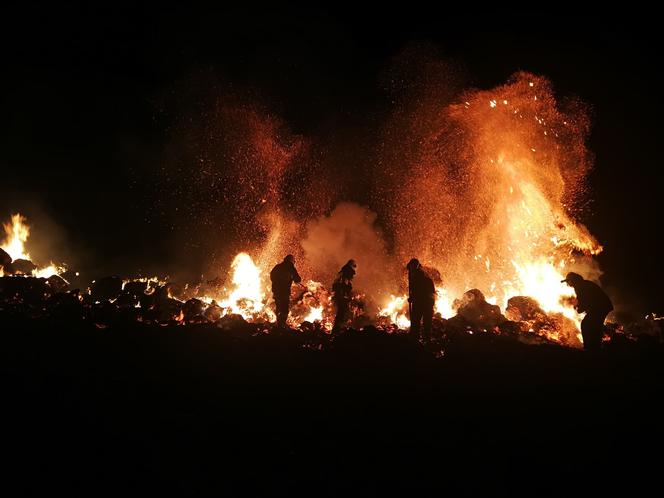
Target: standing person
x,y
422,297
342,294
592,300
282,276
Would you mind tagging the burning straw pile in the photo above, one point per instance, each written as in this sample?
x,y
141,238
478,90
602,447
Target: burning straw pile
x,y
242,304
498,175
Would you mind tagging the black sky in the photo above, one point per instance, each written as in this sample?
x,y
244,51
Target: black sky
x,y
82,86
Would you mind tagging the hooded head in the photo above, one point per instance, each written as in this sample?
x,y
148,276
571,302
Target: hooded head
x,y
413,264
572,279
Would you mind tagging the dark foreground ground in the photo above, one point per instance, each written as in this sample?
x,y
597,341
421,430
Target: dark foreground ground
x,y
198,411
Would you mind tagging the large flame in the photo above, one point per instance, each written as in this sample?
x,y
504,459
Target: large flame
x,y
489,183
16,234
247,297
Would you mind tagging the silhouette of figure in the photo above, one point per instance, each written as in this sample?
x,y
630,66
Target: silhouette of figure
x,y
342,289
592,300
282,276
421,297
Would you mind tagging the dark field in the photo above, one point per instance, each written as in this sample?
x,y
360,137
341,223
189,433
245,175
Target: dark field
x,y
200,411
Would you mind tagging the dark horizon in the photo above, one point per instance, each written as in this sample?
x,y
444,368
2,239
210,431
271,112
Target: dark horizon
x,y
91,97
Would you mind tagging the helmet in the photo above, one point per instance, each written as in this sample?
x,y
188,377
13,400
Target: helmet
x,y
573,278
348,270
290,258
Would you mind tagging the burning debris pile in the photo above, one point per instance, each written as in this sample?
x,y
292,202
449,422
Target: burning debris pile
x,y
243,302
482,187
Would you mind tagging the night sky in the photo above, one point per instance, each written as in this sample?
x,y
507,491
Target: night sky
x,y
86,113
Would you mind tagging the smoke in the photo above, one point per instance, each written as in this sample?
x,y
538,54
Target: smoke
x,y
350,232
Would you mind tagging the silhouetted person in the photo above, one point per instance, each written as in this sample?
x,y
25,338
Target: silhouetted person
x,y
592,300
282,276
342,289
422,297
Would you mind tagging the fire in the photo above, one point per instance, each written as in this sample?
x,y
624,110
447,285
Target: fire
x,y
396,308
542,281
247,297
444,303
48,271
396,311
525,151
490,184
315,315
17,233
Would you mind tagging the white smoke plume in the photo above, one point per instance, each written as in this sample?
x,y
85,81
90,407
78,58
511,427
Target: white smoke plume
x,y
350,232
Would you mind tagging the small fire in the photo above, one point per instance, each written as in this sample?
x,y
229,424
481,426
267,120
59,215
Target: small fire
x,y
397,308
249,296
48,271
16,235
315,315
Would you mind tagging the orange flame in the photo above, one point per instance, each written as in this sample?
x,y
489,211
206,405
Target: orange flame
x,y
247,297
17,233
16,236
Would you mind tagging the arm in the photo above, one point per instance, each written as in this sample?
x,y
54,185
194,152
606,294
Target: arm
x,y
580,305
432,288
